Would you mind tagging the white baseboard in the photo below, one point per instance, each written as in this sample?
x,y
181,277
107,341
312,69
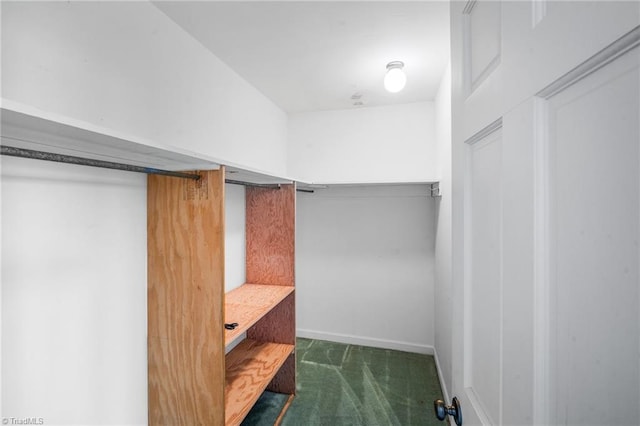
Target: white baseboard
x,y
367,341
443,384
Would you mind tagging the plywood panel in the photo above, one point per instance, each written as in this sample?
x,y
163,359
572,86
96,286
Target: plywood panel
x,y
248,303
285,380
270,234
185,294
279,325
168,360
249,368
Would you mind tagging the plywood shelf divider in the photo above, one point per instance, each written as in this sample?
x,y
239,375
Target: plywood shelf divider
x,y
185,255
247,304
250,367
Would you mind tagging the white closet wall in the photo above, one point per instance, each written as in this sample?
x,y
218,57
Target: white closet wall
x,y
74,294
364,145
234,237
126,67
365,266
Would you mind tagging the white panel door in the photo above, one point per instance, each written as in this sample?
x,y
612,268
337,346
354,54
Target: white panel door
x,y
593,142
546,212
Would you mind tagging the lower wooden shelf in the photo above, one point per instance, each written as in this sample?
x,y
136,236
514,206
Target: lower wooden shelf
x,y
250,366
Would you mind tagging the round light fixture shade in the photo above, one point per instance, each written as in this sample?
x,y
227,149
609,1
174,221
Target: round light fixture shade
x,y
395,79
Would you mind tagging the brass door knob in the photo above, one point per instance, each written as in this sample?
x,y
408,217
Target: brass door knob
x,y
454,410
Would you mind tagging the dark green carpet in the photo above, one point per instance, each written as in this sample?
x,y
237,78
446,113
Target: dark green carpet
x,y
340,385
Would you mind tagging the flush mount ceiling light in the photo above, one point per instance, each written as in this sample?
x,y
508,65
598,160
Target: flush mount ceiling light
x,y
395,79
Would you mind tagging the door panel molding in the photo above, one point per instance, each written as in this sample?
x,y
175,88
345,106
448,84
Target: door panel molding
x,y
483,298
546,106
478,407
541,274
481,29
594,63
538,12
486,131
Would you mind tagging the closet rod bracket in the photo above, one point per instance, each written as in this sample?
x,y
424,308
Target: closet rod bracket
x,y
435,190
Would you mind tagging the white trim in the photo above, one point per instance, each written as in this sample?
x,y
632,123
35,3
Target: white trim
x,y
467,347
541,278
478,407
594,63
443,384
469,7
538,12
1,304
466,49
488,135
366,341
470,84
501,286
489,69
486,131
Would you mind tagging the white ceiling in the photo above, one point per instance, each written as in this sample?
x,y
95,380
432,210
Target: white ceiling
x,y
316,55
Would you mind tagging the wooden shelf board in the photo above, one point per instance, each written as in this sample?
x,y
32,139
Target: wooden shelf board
x,y
27,128
250,367
250,302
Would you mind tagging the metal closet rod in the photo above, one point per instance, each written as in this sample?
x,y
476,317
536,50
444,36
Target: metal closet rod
x,y
257,185
80,161
263,185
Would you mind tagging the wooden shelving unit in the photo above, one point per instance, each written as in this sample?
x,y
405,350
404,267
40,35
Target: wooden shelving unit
x,y
191,381
264,308
247,304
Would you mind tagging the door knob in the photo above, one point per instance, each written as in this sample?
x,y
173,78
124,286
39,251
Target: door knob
x,y
454,410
